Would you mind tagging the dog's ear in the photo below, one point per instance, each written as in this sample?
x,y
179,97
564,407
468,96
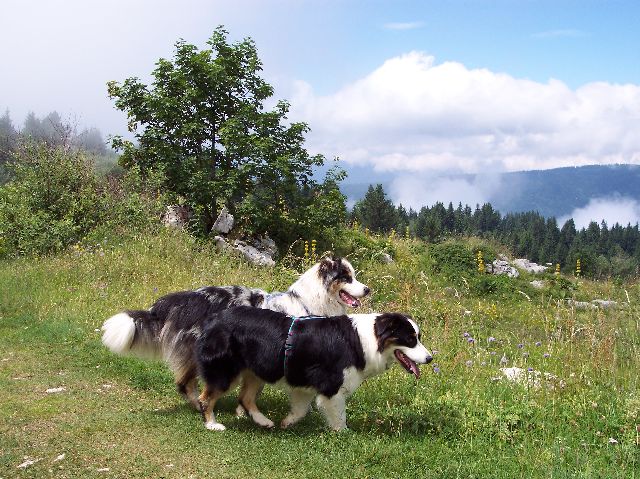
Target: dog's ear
x,y
328,265
385,329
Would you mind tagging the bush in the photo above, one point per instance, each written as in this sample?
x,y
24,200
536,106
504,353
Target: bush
x,y
56,199
489,284
453,257
360,245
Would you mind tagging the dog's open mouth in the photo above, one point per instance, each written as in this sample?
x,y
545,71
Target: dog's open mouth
x,y
407,363
348,299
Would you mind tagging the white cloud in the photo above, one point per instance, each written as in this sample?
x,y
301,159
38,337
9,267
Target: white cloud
x,y
403,25
416,191
412,114
611,210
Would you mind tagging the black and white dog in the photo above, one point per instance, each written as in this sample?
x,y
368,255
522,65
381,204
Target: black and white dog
x,y
169,329
327,357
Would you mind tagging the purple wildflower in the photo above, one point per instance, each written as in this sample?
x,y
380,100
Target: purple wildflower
x,y
436,369
530,369
469,363
538,343
470,340
491,339
520,346
465,334
546,355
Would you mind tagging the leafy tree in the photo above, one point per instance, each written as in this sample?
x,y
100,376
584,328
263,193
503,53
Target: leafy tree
x,y
375,211
203,123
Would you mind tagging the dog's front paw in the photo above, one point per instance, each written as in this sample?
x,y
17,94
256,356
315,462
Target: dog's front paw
x,y
214,426
264,422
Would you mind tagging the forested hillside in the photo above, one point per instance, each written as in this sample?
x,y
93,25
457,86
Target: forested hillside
x,y
555,192
604,250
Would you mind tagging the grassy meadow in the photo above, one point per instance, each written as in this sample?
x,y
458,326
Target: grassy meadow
x,y
121,417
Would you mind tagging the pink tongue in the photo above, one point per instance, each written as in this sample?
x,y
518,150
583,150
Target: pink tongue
x,y
350,300
408,364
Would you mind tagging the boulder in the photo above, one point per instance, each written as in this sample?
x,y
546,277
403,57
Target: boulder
x,y
529,266
501,266
176,216
224,223
266,245
253,255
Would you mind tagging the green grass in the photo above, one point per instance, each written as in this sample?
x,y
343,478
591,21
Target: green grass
x,y
123,413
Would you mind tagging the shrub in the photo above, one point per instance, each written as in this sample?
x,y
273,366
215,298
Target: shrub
x,y
453,257
53,200
56,199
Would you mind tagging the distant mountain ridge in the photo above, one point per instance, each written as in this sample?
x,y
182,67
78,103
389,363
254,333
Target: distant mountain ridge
x,y
555,192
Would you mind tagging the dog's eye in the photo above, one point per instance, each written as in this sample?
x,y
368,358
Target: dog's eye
x,y
344,278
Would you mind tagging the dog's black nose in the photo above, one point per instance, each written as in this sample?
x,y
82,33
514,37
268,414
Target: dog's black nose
x,y
366,290
429,359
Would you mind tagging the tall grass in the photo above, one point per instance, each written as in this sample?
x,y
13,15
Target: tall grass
x,y
458,420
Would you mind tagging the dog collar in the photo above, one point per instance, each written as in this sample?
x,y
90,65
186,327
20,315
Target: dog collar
x,y
288,344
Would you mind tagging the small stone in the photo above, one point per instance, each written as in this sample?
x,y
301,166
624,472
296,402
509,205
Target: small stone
x,y
386,258
28,462
55,390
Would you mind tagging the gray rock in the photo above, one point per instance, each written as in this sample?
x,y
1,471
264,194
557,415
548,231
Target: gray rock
x,y
225,222
500,266
604,304
221,243
386,258
266,245
529,266
176,216
538,284
594,304
581,304
253,255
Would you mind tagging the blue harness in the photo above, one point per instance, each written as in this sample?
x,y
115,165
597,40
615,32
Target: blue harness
x,y
288,344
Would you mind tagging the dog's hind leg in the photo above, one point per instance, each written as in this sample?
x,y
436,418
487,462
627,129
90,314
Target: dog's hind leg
x,y
187,385
208,400
251,387
300,402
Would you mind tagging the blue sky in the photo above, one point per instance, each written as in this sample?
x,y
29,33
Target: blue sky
x,y
401,89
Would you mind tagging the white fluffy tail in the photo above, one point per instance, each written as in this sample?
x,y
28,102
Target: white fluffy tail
x,y
118,332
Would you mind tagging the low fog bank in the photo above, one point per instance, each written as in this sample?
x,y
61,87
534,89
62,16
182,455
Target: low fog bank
x,y
612,210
